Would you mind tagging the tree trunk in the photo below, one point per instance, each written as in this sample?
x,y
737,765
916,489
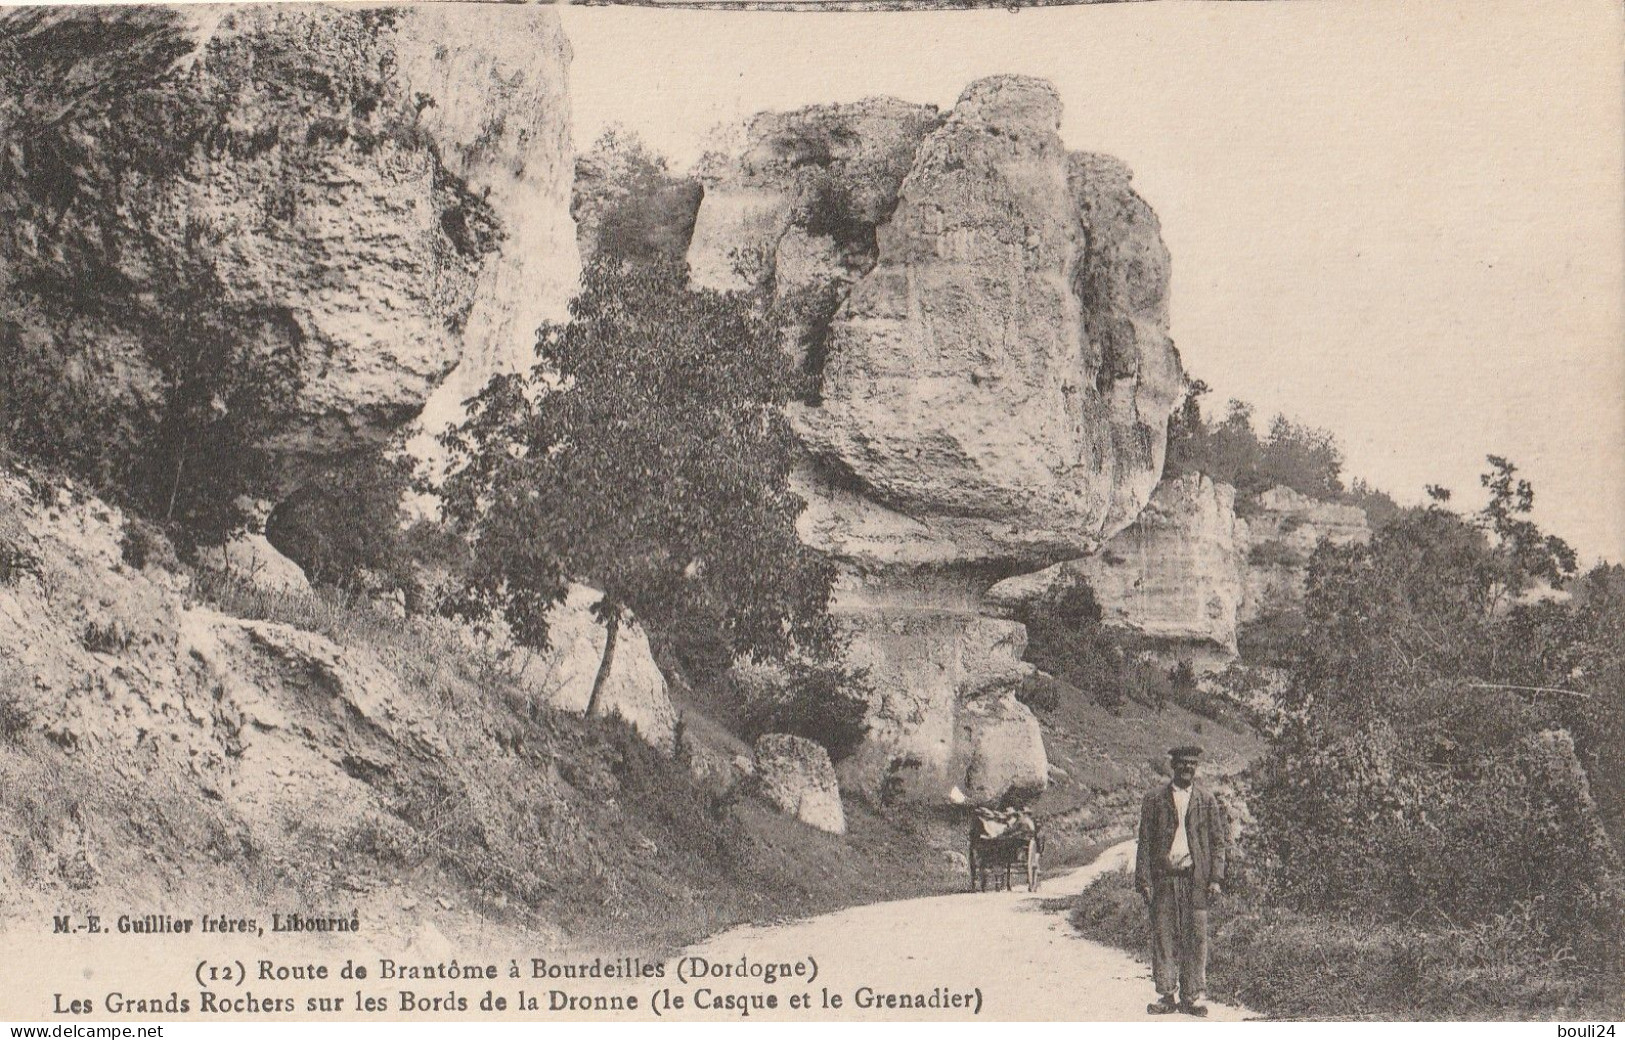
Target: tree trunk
x,y
612,627
175,486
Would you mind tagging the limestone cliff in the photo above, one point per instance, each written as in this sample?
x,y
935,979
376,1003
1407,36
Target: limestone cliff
x,y
1282,528
983,316
1190,571
376,196
798,198
1173,576
1003,374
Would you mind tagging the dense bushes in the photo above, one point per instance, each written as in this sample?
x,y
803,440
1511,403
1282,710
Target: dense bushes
x,y
345,526
822,702
1431,770
1425,816
1066,639
1297,965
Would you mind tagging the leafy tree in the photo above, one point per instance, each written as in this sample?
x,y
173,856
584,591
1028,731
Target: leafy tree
x,y
648,455
1433,759
1305,458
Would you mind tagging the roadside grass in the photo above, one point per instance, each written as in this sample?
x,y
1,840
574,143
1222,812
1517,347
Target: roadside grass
x,y
1290,965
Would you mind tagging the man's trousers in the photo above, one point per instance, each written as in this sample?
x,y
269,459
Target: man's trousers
x,y
1178,938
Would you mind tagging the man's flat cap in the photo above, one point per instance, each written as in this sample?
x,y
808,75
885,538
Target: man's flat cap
x,y
1190,751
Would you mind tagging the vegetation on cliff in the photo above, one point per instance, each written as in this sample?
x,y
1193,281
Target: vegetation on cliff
x,y
192,243
1291,454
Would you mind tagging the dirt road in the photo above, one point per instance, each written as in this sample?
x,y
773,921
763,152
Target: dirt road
x,y
997,955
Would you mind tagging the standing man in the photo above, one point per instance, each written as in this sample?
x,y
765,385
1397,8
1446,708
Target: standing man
x,y
1178,867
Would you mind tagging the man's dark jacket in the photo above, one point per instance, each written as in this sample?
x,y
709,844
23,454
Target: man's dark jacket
x,y
1205,830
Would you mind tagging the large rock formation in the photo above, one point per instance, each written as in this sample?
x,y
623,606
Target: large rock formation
x,y
987,317
1282,528
364,198
794,774
928,659
563,675
1190,571
1173,575
984,318
1004,373
798,197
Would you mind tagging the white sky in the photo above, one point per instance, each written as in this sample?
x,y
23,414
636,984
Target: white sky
x,y
1404,222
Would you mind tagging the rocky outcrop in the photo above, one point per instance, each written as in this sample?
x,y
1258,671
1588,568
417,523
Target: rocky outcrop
x,y
1004,750
1005,369
253,559
496,84
798,196
1172,576
932,670
563,675
1283,527
983,318
115,660
794,774
361,199
1189,572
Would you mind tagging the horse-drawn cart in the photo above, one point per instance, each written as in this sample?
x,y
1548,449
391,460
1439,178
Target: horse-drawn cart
x,y
1003,843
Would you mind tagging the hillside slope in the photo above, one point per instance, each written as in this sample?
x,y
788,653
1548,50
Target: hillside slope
x,y
172,741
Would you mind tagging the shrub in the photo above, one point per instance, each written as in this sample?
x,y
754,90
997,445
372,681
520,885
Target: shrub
x,y
144,543
1040,692
1065,638
1302,965
1272,639
1275,554
344,527
699,646
821,701
16,562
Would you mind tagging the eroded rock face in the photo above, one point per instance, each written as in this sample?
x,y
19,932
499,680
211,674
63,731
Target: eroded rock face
x,y
984,316
1281,531
372,197
1174,575
1005,367
928,667
799,195
1003,748
794,774
1189,572
563,676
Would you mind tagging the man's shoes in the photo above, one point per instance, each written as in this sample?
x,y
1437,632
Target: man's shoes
x,y
1165,1006
1191,1007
